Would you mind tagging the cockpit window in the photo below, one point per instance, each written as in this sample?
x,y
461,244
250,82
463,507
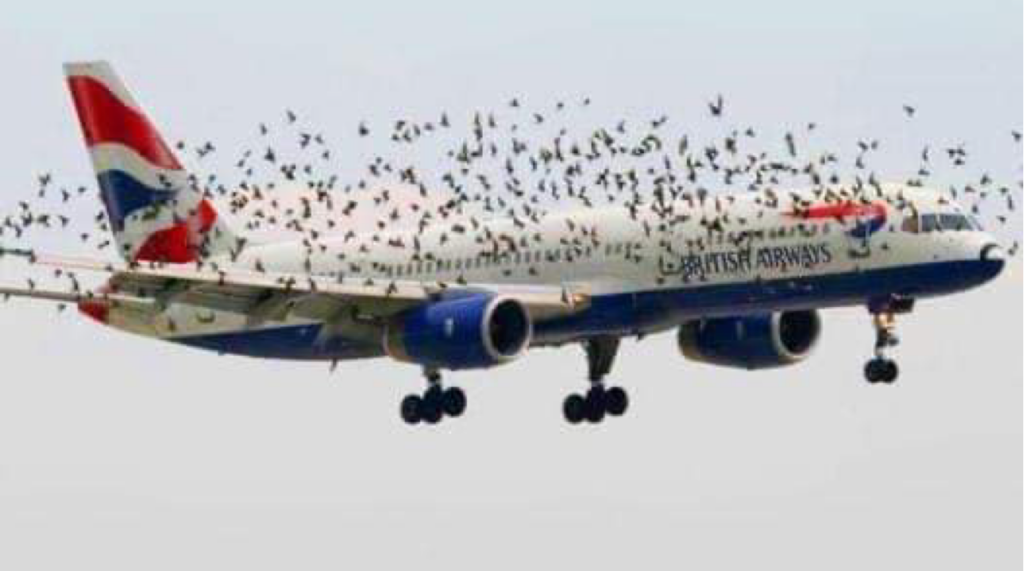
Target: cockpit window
x,y
952,222
945,222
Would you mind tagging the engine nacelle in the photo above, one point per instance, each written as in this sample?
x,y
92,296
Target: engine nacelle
x,y
752,342
462,331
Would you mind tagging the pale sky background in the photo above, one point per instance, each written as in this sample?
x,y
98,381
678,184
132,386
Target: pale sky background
x,y
119,452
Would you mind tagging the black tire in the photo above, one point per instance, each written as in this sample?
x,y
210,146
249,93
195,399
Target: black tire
x,y
889,371
574,408
873,371
595,405
411,409
430,409
453,401
616,401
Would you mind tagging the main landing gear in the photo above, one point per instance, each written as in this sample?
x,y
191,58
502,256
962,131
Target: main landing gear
x,y
435,403
882,369
598,400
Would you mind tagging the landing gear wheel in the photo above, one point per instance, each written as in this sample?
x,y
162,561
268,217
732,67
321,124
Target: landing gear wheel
x,y
453,401
430,406
616,401
598,401
411,409
435,403
880,370
574,408
873,371
595,405
890,370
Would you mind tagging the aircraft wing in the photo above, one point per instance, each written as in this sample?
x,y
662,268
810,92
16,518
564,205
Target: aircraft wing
x,y
61,296
269,296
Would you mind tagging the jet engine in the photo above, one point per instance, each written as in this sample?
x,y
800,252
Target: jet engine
x,y
462,331
758,341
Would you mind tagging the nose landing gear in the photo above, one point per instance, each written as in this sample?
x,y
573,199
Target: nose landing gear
x,y
882,369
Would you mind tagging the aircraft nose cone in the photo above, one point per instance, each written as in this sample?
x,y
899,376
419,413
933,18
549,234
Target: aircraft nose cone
x,y
992,259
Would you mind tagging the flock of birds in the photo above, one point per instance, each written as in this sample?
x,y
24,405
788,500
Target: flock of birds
x,y
512,163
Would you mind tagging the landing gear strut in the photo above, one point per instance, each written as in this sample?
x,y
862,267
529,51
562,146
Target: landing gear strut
x,y
435,403
882,369
598,400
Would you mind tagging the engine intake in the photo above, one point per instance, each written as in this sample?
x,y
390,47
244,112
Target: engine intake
x,y
752,342
464,331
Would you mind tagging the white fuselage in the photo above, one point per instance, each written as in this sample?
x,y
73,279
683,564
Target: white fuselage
x,y
741,253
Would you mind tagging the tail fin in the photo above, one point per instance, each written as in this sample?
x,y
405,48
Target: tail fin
x,y
155,211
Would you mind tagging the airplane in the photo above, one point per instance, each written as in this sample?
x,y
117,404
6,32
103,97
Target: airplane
x,y
742,278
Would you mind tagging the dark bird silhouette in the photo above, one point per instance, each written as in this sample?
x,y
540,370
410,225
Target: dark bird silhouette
x,y
716,107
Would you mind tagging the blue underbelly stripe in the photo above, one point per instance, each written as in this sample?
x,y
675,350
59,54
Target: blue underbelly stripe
x,y
628,313
622,313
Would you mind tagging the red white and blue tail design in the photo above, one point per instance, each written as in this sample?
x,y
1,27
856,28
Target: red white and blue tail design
x,y
155,212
